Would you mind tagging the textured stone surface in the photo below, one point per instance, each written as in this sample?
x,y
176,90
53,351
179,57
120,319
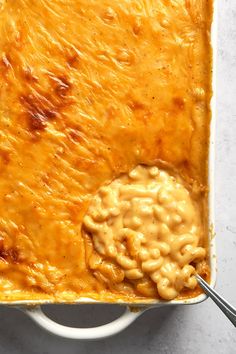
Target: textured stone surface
x,y
200,329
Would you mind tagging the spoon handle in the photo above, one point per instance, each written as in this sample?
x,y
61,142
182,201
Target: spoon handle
x,y
225,307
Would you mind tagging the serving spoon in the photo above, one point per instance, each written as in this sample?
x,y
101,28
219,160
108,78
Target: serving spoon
x,y
225,307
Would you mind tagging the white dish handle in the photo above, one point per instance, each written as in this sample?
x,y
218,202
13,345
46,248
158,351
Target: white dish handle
x,y
92,333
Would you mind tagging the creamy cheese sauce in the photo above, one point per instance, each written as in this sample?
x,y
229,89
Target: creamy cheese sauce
x,y
149,226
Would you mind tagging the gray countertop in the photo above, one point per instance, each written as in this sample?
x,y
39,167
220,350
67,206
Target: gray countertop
x,y
194,329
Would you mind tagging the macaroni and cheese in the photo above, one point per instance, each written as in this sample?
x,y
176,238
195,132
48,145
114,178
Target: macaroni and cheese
x,y
92,92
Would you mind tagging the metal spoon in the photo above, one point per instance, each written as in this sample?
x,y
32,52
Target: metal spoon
x,y
225,307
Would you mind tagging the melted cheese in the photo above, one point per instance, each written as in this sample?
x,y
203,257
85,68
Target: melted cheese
x,y
146,227
89,90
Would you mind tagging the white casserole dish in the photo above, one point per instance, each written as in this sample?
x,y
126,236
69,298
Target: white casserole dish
x,y
134,310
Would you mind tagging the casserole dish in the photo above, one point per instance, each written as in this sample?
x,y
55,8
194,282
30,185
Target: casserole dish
x,y
32,307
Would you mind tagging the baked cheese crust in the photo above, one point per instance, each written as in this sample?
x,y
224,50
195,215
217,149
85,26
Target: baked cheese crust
x,y
89,90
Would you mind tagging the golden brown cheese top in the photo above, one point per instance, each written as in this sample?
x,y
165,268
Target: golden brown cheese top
x,y
89,90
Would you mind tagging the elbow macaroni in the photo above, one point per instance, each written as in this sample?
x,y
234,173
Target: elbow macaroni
x,y
145,229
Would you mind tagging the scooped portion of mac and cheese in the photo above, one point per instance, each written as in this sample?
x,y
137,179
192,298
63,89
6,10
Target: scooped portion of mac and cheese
x,y
146,225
